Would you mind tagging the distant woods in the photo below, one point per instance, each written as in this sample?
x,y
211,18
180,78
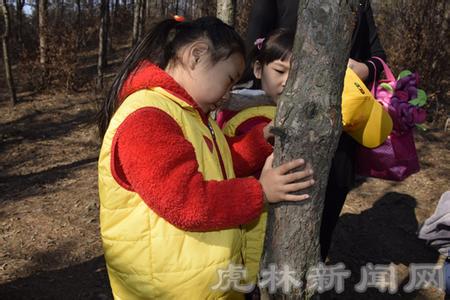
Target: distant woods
x,y
72,43
77,44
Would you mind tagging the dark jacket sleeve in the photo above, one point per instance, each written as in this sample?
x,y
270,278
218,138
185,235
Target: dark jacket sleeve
x,y
366,43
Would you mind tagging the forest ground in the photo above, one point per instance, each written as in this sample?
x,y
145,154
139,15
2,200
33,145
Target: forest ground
x,y
49,227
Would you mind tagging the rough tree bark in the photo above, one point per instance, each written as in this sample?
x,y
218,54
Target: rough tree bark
x,y
103,42
308,123
6,62
226,11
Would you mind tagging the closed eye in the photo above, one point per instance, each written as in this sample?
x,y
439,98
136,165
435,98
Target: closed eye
x,y
279,71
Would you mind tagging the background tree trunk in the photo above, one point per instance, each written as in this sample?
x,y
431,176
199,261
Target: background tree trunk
x,y
163,8
19,18
78,24
309,115
43,33
205,8
226,11
142,18
5,36
59,14
103,42
136,21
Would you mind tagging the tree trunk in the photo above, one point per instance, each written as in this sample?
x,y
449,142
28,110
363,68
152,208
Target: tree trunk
x,y
61,9
103,42
115,6
226,11
163,8
37,15
308,123
19,17
148,12
110,25
43,33
9,77
78,24
136,21
142,18
192,9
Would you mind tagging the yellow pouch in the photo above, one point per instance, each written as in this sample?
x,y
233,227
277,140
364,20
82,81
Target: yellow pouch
x,y
363,118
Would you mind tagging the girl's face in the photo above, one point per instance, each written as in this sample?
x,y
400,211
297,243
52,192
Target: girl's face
x,y
273,76
207,82
211,82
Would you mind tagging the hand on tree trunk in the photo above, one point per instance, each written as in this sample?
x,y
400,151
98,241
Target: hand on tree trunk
x,y
278,184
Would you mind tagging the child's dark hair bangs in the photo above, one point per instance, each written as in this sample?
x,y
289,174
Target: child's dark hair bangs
x,y
277,46
276,52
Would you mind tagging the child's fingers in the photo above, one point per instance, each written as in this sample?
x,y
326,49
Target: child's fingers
x,y
290,197
292,177
284,168
293,187
269,162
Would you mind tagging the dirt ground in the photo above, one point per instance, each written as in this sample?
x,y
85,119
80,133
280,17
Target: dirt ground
x,y
49,226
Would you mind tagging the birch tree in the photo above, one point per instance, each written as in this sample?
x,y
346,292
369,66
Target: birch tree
x,y
226,11
43,24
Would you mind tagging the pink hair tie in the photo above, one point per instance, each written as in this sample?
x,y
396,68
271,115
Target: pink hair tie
x,y
259,43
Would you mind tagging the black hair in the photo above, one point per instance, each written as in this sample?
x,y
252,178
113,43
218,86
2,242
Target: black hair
x,y
161,44
277,45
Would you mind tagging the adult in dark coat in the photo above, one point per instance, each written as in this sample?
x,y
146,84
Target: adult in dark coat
x,y
267,15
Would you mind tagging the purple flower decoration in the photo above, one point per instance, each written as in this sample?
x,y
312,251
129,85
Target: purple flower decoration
x,y
403,100
405,115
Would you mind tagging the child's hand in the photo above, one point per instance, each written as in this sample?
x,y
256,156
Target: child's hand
x,y
277,185
359,68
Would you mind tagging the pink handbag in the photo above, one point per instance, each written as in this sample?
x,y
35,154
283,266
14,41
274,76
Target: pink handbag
x,y
396,158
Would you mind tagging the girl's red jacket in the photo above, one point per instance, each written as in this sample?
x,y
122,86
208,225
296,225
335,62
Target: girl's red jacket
x,y
151,157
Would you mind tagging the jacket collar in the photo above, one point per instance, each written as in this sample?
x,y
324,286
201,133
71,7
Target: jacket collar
x,y
147,76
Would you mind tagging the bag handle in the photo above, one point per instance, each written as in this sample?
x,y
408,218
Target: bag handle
x,y
387,71
389,75
373,90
